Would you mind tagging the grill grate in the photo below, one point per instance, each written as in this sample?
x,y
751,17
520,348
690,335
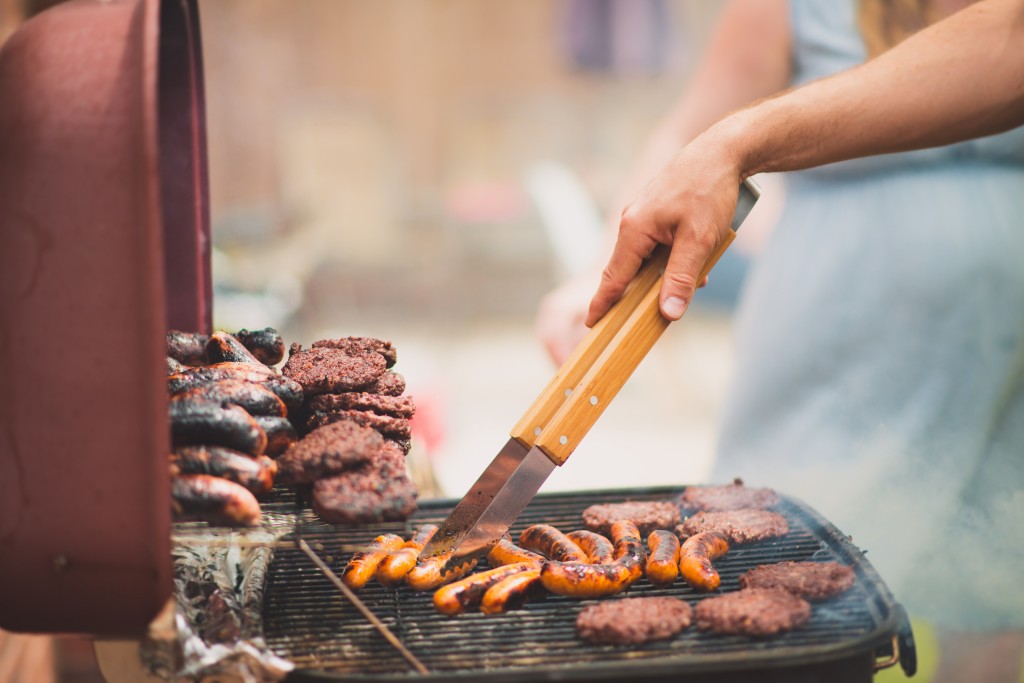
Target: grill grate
x,y
308,622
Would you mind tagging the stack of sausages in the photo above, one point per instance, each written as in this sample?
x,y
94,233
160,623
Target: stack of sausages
x,y
228,419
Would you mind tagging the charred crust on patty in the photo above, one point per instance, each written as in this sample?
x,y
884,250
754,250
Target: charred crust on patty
x,y
330,371
647,515
738,526
734,496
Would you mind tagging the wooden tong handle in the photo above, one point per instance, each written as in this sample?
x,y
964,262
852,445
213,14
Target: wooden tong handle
x,y
599,365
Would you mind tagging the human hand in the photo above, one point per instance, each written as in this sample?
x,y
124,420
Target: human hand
x,y
688,206
559,321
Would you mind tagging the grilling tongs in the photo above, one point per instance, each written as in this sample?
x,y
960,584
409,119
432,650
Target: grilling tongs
x,y
570,404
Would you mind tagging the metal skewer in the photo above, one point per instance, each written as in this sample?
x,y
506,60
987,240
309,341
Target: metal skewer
x,y
370,616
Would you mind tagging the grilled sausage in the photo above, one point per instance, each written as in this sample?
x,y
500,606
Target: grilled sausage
x,y
224,348
205,498
199,422
188,348
695,557
506,552
266,344
255,474
286,389
426,575
280,433
394,567
599,549
363,565
629,549
468,592
511,592
255,397
662,566
584,580
552,543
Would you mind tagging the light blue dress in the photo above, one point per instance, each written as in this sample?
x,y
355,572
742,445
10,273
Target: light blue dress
x,y
880,341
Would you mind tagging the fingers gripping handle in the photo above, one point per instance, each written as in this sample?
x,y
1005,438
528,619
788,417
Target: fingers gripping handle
x,y
600,365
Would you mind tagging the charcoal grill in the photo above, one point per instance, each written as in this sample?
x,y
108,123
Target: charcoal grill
x,y
308,622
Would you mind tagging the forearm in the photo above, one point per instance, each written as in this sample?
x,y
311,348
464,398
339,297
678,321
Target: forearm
x,y
961,78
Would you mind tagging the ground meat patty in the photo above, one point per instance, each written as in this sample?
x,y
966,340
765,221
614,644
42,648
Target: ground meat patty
x,y
648,516
389,384
752,612
376,492
395,406
327,451
631,621
392,427
355,345
738,526
330,371
734,496
810,580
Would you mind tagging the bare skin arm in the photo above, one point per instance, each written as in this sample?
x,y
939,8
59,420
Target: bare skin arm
x,y
747,57
961,78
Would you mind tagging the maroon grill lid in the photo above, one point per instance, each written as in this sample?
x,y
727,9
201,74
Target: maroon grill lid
x,y
103,203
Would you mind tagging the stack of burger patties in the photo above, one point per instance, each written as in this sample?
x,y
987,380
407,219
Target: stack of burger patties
x,y
355,431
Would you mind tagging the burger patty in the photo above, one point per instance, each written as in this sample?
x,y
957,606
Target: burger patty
x,y
647,516
734,496
395,406
327,451
392,427
389,384
631,621
810,580
379,491
752,612
357,345
330,371
738,526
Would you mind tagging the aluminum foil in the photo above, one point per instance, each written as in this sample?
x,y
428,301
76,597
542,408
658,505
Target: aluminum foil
x,y
219,581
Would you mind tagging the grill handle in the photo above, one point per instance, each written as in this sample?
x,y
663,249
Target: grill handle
x,y
902,648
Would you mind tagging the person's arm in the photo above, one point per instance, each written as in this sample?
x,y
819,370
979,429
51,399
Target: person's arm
x,y
961,78
747,57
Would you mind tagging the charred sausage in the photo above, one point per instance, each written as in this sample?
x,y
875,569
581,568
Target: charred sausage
x,y
427,572
280,433
224,348
599,549
199,422
363,565
662,566
511,592
255,474
205,498
188,348
507,552
552,543
286,389
695,558
468,592
394,567
255,397
266,344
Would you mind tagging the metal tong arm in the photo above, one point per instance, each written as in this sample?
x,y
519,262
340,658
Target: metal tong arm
x,y
599,366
